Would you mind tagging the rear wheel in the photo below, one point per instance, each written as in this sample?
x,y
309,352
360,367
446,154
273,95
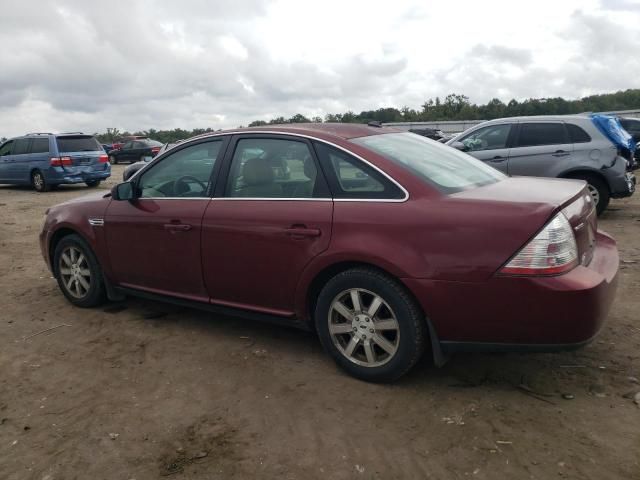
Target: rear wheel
x,y
113,160
599,191
93,183
78,273
370,325
38,182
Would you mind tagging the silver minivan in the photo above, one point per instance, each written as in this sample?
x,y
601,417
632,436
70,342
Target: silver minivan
x,y
560,146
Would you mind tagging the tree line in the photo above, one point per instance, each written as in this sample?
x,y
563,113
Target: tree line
x,y
452,107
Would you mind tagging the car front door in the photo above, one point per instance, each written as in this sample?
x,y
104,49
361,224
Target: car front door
x,y
126,152
154,240
270,217
490,144
5,160
538,148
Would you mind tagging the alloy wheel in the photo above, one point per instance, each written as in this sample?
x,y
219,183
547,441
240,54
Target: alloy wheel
x,y
595,194
363,327
38,180
74,271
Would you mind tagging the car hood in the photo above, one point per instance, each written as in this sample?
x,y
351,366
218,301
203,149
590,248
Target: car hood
x,y
92,197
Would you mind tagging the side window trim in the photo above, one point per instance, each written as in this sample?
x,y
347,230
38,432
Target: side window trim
x,y
215,171
221,187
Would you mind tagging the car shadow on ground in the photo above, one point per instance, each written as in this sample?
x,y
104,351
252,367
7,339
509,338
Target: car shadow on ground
x,y
542,376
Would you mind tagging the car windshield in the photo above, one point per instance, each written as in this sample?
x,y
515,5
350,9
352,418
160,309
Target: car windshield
x,y
446,168
78,144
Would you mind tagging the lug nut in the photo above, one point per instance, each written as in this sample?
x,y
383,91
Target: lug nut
x,y
371,330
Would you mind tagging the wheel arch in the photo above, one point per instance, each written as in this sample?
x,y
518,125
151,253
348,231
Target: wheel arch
x,y
577,172
329,271
57,236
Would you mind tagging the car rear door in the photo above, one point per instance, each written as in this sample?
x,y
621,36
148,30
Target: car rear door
x,y
5,160
154,241
19,160
270,217
538,149
38,158
490,144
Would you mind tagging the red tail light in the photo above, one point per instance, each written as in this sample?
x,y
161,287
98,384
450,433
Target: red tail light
x,y
60,161
155,149
103,159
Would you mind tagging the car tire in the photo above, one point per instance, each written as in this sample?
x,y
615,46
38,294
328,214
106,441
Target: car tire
x,y
599,191
78,272
38,182
93,183
113,160
378,340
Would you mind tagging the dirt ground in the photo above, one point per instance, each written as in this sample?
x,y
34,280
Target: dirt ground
x,y
144,390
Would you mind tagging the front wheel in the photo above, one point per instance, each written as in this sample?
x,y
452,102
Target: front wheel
x,y
113,160
370,325
78,272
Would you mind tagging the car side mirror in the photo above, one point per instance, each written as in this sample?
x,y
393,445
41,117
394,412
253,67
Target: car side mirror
x,y
460,146
123,191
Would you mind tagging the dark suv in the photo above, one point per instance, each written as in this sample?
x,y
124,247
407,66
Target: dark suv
x,y
135,151
46,160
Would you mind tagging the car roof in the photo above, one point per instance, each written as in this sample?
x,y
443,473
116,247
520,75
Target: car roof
x,y
325,131
541,118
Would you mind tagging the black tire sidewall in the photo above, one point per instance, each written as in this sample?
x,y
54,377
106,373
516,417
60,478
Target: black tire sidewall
x,y
96,293
113,160
93,183
410,319
603,191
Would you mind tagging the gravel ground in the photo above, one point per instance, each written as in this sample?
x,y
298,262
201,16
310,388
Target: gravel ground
x,y
145,390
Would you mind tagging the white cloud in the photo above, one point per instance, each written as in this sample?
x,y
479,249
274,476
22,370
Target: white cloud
x,y
75,65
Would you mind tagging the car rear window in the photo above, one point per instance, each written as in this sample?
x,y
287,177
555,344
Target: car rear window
x,y
444,167
577,134
78,144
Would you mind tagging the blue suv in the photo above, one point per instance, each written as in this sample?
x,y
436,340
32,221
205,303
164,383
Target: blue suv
x,y
46,160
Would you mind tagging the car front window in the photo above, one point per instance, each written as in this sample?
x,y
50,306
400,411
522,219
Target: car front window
x,y
185,173
492,137
444,167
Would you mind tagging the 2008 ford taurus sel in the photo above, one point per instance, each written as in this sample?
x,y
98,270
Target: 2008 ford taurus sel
x,y
384,242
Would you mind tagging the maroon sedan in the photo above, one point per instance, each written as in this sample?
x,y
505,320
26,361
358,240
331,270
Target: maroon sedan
x,y
384,242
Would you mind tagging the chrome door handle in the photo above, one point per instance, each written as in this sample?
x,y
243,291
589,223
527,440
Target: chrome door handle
x,y
498,158
177,227
302,232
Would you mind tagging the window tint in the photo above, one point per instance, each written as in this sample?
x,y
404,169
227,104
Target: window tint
x,y
444,167
127,145
492,137
6,148
139,145
352,178
183,174
21,146
534,134
272,168
40,145
78,144
577,134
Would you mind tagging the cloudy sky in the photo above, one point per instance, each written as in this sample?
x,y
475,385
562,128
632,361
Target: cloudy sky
x,y
78,65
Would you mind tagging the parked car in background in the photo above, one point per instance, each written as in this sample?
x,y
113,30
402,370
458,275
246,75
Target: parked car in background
x,y
135,151
432,133
46,160
552,146
117,144
131,169
107,147
372,241
632,125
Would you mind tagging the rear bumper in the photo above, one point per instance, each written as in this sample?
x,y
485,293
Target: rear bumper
x,y
60,175
523,313
624,186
